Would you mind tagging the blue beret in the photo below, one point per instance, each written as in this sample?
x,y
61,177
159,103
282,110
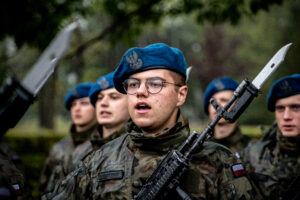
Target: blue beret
x,y
284,87
154,56
215,86
79,91
103,83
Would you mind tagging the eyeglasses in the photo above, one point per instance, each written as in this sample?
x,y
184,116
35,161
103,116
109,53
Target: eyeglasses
x,y
153,85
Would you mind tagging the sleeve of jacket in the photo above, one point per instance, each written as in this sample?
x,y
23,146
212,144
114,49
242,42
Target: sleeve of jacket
x,y
74,186
221,176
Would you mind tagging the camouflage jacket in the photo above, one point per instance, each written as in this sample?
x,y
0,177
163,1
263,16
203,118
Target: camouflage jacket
x,y
236,141
58,160
12,180
119,168
80,153
86,148
274,163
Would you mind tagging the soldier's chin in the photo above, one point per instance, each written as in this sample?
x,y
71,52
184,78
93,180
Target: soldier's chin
x,y
222,122
290,133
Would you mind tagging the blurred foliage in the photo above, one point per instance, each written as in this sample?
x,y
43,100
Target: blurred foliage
x,y
35,22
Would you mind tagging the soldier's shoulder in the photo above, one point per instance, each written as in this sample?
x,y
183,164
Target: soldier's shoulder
x,y
261,144
115,143
210,147
60,146
112,147
215,154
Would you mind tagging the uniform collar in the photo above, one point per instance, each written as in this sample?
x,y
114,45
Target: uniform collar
x,y
288,145
169,139
80,137
97,140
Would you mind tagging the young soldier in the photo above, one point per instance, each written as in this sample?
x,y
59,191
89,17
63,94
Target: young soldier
x,y
111,109
154,80
227,134
84,123
111,113
275,158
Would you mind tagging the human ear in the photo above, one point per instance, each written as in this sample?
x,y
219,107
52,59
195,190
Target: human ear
x,y
181,95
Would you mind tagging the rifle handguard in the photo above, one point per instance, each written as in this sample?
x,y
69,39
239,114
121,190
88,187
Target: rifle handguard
x,y
242,102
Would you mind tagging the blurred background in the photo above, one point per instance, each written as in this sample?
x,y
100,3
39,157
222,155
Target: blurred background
x,y
218,38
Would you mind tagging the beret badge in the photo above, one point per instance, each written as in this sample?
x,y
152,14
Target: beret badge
x,y
75,94
103,83
219,85
285,87
134,61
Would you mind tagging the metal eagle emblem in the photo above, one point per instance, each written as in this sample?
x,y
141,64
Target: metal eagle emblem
x,y
134,61
103,83
219,85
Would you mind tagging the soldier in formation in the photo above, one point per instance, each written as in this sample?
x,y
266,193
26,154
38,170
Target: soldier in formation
x,y
111,110
111,113
225,133
154,79
275,158
84,124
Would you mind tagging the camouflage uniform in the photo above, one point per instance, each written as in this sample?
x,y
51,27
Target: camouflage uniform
x,y
80,153
56,166
274,162
236,141
119,169
12,180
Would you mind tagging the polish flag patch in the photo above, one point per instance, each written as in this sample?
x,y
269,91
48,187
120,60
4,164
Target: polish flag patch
x,y
17,189
238,170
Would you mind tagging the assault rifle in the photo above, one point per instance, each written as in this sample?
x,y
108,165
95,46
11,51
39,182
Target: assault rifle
x,y
16,96
165,180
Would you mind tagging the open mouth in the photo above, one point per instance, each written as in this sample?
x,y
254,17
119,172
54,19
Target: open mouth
x,y
105,113
142,106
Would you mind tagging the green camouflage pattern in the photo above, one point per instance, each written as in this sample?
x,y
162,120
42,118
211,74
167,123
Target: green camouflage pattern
x,y
274,162
80,153
236,141
12,180
119,168
60,156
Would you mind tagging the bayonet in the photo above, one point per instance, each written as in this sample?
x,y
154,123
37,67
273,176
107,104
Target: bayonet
x,y
45,65
27,90
271,66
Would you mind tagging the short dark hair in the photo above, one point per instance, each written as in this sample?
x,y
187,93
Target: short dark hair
x,y
178,78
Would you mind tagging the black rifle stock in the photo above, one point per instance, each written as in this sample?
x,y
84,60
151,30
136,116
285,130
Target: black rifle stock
x,y
166,178
14,110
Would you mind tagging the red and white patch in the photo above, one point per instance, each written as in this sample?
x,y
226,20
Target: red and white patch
x,y
238,170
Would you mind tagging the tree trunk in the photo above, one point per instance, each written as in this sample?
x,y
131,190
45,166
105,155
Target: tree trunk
x,y
78,61
47,103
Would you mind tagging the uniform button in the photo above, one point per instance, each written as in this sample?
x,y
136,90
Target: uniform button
x,y
136,183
